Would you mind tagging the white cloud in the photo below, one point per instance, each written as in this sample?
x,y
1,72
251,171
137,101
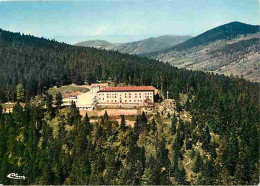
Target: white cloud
x,y
99,30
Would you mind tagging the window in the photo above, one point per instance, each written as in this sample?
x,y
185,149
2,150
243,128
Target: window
x,y
125,100
129,100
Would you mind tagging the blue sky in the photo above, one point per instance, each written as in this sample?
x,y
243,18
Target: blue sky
x,y
122,20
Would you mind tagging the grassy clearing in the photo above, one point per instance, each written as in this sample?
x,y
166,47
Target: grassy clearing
x,y
68,89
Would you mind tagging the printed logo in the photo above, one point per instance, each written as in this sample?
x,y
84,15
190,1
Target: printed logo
x,y
15,176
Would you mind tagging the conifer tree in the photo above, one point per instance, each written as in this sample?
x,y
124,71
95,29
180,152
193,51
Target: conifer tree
x,y
181,126
49,100
73,116
97,168
106,116
152,172
209,172
141,123
173,126
176,152
198,163
123,126
162,160
181,173
59,101
205,138
143,118
242,174
231,154
20,93
153,125
212,150
87,125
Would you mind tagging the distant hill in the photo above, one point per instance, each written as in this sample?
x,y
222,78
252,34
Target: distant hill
x,y
138,47
228,49
95,43
223,32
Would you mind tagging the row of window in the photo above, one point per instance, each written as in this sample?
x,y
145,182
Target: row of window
x,y
114,94
147,97
111,96
114,101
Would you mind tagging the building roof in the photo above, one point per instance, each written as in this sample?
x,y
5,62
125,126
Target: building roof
x,y
127,89
99,84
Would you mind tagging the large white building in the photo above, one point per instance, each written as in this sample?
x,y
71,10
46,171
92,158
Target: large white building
x,y
126,96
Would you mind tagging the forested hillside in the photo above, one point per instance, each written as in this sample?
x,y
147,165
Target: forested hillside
x,y
56,146
224,32
239,41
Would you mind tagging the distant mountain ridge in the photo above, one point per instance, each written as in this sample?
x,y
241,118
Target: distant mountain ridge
x,y
224,32
230,49
138,47
94,43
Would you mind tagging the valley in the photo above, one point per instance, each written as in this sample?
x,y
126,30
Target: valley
x,y
231,58
204,133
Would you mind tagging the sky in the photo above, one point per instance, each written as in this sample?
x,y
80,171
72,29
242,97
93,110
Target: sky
x,y
122,20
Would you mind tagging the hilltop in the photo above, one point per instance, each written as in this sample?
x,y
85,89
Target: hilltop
x,y
94,43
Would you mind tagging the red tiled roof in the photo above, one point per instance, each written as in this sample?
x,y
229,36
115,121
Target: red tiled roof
x,y
123,89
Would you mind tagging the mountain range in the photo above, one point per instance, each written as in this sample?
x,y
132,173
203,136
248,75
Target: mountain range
x,y
229,49
148,45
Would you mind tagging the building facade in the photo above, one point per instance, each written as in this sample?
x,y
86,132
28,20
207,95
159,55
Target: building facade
x,y
126,96
95,87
